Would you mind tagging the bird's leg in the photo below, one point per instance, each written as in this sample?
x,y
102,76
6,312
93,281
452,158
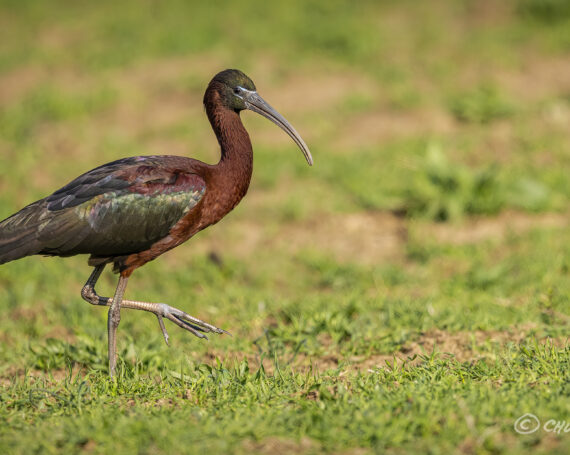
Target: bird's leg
x,y
88,292
160,310
113,322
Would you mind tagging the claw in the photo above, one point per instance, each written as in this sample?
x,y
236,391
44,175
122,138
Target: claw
x,y
163,328
190,323
186,325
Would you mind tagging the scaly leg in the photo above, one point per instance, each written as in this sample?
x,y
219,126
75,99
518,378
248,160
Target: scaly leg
x,y
113,323
160,310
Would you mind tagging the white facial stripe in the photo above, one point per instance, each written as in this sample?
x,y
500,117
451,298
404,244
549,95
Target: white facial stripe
x,y
245,92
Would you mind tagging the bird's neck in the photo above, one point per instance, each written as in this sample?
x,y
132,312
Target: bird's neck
x,y
233,137
236,163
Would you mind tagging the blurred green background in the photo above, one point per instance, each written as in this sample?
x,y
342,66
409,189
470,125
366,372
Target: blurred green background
x,y
409,292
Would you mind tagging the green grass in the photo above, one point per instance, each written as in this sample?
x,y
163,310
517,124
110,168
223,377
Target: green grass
x,y
219,407
482,105
407,294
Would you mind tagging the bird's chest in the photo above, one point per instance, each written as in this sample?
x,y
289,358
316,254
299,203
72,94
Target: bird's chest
x,y
221,200
226,185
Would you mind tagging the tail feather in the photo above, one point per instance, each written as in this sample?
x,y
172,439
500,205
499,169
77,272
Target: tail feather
x,y
19,233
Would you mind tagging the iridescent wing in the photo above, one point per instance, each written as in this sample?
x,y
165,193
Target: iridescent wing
x,y
119,208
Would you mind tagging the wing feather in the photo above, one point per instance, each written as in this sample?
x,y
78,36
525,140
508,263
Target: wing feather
x,y
119,208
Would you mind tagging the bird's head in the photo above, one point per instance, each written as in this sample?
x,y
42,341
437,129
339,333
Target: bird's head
x,y
237,92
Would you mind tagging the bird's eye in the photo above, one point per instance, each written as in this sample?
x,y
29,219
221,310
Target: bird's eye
x,y
237,91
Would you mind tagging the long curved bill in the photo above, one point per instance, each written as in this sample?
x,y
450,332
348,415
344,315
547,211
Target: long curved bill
x,y
256,103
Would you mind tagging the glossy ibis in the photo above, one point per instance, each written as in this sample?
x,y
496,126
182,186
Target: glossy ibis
x,y
132,210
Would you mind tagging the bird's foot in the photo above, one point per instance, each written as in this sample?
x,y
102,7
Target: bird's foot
x,y
194,325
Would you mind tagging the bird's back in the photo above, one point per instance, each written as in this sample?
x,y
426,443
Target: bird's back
x,y
117,209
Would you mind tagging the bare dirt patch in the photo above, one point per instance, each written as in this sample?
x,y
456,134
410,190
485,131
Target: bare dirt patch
x,y
373,128
364,237
164,73
474,230
16,83
299,93
368,238
538,77
461,346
